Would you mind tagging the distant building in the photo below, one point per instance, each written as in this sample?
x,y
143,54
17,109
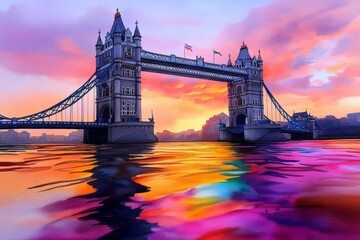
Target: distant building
x,y
76,136
331,127
210,131
303,118
39,139
55,138
354,116
24,137
189,135
11,137
330,117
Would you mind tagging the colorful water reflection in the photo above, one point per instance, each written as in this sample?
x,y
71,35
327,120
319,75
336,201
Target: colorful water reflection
x,y
291,190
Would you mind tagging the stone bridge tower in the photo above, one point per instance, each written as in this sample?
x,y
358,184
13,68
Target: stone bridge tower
x,y
245,95
118,95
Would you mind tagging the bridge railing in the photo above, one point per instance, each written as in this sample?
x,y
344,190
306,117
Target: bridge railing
x,y
50,124
199,62
186,61
153,67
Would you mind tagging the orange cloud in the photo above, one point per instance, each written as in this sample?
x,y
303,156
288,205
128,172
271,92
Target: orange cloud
x,y
299,40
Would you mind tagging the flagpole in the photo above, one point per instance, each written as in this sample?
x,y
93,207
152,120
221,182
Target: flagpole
x,y
213,57
184,51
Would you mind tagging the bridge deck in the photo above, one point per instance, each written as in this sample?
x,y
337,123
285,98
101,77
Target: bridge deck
x,y
50,125
159,63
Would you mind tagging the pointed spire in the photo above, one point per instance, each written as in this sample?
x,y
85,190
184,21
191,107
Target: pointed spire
x,y
99,40
137,32
259,57
117,28
244,46
229,63
118,25
244,53
152,116
117,14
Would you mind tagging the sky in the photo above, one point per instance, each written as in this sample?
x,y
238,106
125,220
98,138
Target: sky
x,y
310,51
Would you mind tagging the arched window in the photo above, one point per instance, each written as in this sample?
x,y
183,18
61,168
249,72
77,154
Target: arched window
x,y
123,108
132,108
238,89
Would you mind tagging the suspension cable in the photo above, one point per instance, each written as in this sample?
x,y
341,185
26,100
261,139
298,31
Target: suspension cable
x,y
82,109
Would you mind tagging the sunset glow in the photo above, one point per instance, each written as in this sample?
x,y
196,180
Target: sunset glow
x,y
310,51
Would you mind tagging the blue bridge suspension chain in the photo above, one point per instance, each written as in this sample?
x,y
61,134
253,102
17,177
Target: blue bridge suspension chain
x,y
67,102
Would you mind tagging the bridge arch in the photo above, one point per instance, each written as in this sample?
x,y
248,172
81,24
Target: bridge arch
x,y
240,119
104,115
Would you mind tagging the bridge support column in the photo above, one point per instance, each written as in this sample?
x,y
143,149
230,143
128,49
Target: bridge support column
x,y
265,133
131,132
95,136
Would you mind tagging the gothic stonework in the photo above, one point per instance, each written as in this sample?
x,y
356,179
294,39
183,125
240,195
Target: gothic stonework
x,y
119,94
245,95
118,100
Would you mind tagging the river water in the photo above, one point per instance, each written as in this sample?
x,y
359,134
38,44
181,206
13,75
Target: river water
x,y
289,190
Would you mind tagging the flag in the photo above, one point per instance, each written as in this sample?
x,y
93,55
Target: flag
x,y
216,52
188,47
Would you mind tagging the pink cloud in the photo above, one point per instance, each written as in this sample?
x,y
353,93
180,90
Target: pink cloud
x,y
58,50
299,39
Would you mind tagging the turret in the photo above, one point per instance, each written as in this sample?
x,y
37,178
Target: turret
x,y
99,47
260,61
137,41
260,64
137,32
116,31
229,63
243,59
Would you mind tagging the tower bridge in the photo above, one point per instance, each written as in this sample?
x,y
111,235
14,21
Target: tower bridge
x,y
116,87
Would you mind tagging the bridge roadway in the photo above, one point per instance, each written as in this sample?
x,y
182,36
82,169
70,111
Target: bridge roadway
x,y
151,62
198,68
50,125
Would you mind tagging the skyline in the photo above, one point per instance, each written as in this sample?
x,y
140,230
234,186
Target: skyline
x,y
309,50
